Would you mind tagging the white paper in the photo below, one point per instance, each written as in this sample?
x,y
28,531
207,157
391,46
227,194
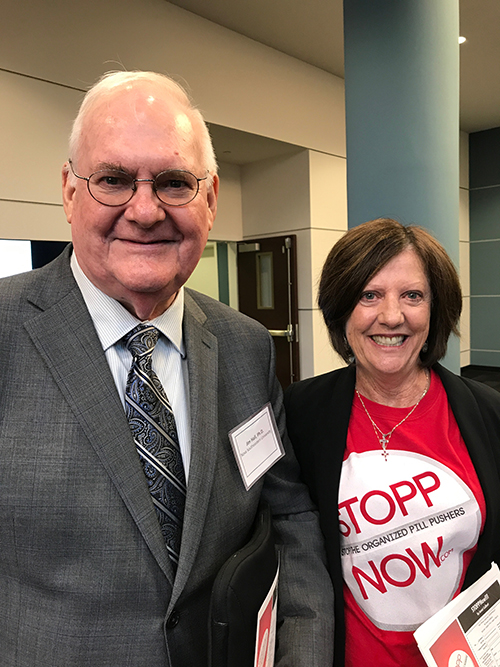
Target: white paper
x,y
257,445
466,632
265,641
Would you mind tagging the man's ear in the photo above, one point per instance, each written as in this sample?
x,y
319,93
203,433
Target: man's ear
x,y
212,195
68,191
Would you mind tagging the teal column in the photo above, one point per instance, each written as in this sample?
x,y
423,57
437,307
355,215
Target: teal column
x,y
402,117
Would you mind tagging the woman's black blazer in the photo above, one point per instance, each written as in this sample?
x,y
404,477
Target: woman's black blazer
x,y
318,412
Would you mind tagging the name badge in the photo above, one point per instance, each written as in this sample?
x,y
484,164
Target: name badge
x,y
257,445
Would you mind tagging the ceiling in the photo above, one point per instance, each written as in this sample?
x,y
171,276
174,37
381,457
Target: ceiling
x,y
312,31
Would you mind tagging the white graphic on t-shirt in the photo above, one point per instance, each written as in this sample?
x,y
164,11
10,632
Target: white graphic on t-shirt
x,y
405,524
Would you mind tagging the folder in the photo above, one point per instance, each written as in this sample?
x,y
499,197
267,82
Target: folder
x,y
239,590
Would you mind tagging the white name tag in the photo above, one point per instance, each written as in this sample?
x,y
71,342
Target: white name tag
x,y
257,445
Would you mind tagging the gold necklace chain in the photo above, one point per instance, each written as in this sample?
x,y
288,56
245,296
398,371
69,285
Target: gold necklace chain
x,y
384,440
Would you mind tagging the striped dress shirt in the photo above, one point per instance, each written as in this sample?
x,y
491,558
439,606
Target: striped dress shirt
x,y
112,321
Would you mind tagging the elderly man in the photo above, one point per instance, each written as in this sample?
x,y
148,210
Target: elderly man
x,y
121,496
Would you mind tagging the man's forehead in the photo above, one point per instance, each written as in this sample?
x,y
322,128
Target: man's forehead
x,y
153,106
146,121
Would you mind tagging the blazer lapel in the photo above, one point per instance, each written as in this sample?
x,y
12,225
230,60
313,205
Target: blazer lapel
x,y
65,337
201,351
332,414
477,439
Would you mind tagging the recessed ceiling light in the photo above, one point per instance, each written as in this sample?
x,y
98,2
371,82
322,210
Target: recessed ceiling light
x,y
461,39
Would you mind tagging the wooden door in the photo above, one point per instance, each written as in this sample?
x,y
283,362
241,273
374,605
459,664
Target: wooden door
x,y
267,291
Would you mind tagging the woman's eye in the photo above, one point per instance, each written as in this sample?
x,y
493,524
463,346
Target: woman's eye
x,y
368,296
414,296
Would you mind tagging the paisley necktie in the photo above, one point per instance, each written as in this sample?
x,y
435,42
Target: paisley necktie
x,y
152,423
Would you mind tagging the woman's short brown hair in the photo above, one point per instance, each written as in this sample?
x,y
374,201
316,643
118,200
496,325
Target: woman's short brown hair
x,y
361,253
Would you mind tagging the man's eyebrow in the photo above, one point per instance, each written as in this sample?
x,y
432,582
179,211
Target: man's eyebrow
x,y
117,166
113,166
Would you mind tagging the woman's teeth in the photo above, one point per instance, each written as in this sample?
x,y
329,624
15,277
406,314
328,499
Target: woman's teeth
x,y
388,340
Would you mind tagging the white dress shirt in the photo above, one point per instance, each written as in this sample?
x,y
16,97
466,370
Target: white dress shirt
x,y
113,321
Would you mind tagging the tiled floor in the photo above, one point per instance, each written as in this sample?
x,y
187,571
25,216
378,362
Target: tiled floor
x,y
486,374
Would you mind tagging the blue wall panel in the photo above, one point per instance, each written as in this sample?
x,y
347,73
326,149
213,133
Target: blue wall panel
x,y
485,334
484,181
485,268
484,149
485,213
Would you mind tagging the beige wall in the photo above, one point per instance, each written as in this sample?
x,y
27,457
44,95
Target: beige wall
x,y
236,81
228,225
35,119
303,194
206,277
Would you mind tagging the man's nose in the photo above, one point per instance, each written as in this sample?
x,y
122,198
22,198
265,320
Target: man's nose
x,y
145,208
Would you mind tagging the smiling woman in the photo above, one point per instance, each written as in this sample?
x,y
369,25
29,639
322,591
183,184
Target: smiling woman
x,y
361,254
393,441
388,328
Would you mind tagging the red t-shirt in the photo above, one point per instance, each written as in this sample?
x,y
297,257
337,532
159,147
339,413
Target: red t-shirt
x,y
409,525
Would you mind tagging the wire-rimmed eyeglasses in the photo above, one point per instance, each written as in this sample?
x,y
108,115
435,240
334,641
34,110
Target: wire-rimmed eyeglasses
x,y
113,187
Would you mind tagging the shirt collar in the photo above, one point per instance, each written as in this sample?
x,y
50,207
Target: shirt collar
x,y
113,321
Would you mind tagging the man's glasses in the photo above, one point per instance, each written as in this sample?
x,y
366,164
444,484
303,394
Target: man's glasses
x,y
113,187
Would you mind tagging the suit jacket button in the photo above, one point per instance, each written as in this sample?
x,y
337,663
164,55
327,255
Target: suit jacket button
x,y
173,620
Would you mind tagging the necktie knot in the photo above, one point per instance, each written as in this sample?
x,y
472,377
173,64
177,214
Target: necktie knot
x,y
141,340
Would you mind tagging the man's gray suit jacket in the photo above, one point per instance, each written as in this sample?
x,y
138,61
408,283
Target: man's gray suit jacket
x,y
85,579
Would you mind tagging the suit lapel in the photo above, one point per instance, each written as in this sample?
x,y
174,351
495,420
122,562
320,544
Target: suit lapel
x,y
201,351
64,335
